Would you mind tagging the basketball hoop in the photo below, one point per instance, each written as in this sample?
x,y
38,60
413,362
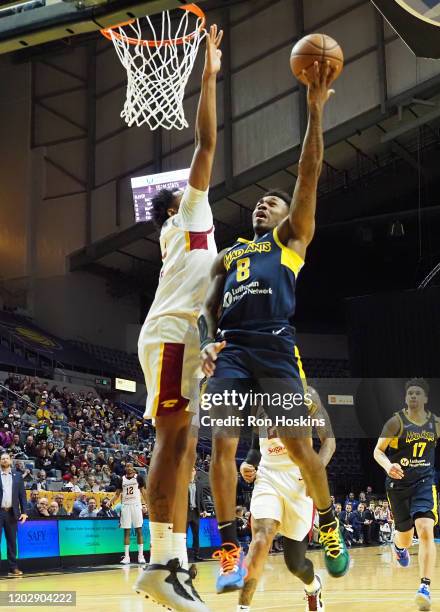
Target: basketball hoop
x,y
158,67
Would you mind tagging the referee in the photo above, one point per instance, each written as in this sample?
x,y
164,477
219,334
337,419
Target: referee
x,y
12,509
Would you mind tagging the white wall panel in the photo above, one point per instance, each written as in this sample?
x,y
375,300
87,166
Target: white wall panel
x,y
128,150
262,32
355,31
262,81
316,12
266,133
357,90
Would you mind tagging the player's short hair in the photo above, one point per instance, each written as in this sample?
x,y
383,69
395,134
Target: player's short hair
x,y
417,382
279,193
160,205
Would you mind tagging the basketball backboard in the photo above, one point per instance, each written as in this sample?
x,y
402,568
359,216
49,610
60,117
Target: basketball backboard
x,y
417,22
25,23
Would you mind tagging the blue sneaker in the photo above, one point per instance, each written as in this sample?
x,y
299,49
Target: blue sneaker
x,y
233,571
423,598
402,556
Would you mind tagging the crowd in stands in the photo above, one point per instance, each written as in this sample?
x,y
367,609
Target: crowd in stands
x,y
69,441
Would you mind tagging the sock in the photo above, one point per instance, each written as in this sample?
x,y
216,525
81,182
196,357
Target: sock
x,y
179,549
127,550
243,608
228,532
161,543
313,587
326,517
426,582
141,550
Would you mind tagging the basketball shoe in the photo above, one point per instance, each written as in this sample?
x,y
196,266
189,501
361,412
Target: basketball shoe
x,y
171,587
401,555
314,601
232,568
337,559
125,560
423,598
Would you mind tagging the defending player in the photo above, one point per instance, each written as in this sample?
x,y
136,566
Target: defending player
x,y
410,437
253,285
280,504
131,488
169,353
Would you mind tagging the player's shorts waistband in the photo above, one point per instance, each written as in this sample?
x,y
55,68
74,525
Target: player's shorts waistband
x,y
249,329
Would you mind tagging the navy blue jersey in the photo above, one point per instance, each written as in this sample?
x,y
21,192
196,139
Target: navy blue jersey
x,y
260,284
414,450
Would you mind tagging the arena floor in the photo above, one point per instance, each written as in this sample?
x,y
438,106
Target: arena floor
x,y
372,584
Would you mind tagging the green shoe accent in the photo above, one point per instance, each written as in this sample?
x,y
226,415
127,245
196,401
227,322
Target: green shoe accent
x,y
337,559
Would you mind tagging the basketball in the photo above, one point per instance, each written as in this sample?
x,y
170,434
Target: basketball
x,y
315,48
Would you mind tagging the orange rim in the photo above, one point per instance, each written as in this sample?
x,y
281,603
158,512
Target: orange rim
x,y
191,8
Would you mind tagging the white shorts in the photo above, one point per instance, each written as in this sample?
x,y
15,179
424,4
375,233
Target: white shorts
x,y
131,516
279,495
169,353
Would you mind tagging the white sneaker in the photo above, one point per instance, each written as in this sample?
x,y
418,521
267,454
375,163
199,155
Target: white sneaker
x,y
314,601
141,559
171,587
125,560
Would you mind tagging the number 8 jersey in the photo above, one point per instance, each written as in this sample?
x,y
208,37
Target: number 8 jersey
x,y
413,449
260,283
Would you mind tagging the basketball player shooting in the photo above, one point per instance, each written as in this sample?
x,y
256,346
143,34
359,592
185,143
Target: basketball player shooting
x,y
131,488
410,437
253,285
170,356
280,504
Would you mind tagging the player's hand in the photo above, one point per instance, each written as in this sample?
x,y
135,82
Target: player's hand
x,y
213,56
248,472
209,357
22,518
319,80
396,472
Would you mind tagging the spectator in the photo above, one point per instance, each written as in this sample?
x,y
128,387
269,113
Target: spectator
x,y
32,503
28,417
346,522
92,485
106,510
5,436
352,501
30,448
370,495
57,439
370,527
144,511
72,485
60,501
90,511
60,460
243,527
40,484
358,523
53,508
80,504
16,448
41,510
43,461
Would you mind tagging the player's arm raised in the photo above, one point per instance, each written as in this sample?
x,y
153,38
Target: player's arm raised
x,y
390,431
298,229
209,314
206,122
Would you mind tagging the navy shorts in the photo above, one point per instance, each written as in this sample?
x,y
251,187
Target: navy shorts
x,y
412,502
263,370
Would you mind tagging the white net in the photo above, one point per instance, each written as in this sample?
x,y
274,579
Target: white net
x,y
157,75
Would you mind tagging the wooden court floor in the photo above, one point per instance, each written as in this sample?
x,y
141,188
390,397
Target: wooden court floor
x,y
372,584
